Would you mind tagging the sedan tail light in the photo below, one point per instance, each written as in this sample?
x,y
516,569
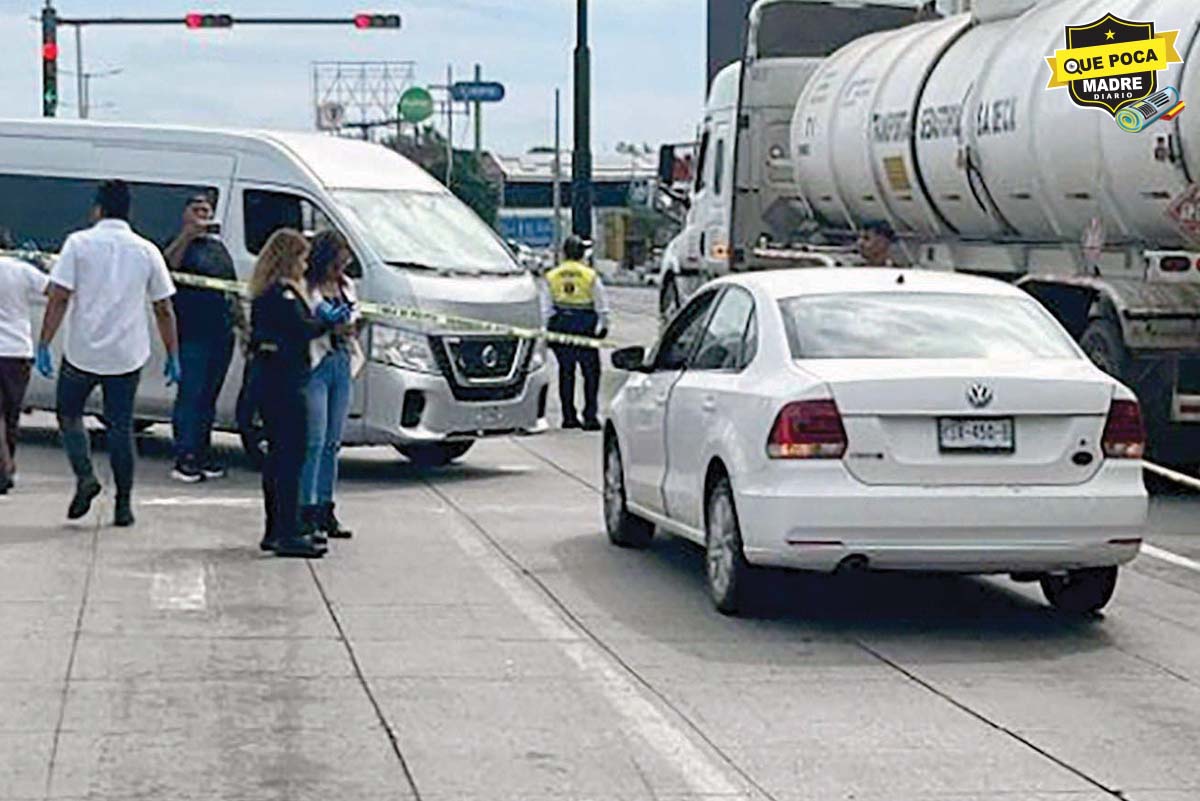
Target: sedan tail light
x,y
808,430
1124,433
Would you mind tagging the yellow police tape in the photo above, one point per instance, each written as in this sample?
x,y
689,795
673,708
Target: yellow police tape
x,y
376,312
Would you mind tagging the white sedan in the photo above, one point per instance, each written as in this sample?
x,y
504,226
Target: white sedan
x,y
877,419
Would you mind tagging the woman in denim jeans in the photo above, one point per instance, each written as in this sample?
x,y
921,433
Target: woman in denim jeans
x,y
329,386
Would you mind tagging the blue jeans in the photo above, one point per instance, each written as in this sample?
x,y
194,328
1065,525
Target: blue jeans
x,y
328,394
203,363
74,387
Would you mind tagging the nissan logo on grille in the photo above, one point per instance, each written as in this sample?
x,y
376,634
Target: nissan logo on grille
x,y
979,395
490,357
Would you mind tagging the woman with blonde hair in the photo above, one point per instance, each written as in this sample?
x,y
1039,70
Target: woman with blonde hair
x,y
282,328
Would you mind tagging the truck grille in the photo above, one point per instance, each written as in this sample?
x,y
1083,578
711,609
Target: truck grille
x,y
481,369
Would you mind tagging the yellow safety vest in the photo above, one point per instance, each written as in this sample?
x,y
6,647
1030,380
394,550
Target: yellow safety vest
x,y
573,285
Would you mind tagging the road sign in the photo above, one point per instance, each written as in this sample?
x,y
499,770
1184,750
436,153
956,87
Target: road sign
x,y
416,105
330,116
477,92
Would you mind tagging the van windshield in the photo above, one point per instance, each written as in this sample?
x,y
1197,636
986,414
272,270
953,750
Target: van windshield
x,y
424,230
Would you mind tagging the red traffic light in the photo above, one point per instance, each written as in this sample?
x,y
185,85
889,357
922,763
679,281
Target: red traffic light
x,y
367,21
195,21
50,51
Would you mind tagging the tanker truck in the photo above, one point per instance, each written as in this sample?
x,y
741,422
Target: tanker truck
x,y
948,131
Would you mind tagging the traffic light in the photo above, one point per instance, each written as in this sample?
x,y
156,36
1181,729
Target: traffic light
x,y
49,62
367,21
196,21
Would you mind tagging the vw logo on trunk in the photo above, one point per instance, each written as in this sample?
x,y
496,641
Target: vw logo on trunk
x,y
489,356
979,395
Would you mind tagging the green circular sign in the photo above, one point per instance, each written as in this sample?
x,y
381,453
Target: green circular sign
x,y
416,105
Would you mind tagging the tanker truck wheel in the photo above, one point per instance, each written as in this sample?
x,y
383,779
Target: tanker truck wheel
x,y
668,298
1104,345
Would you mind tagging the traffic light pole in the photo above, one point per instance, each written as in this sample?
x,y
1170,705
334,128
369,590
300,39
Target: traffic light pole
x,y
51,21
581,161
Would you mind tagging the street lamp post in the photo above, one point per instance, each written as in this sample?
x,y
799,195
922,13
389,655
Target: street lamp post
x,y
581,162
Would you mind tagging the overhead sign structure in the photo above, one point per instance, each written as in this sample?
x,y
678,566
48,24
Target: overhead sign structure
x,y
415,106
477,92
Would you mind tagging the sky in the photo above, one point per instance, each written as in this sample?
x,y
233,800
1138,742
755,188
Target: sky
x,y
648,63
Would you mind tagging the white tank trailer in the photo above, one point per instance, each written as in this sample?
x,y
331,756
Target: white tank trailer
x,y
946,130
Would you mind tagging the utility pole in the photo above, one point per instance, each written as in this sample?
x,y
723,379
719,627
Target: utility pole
x,y
449,124
581,160
558,237
478,118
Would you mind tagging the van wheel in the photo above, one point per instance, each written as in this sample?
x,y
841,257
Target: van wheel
x,y
624,528
434,454
728,572
1081,592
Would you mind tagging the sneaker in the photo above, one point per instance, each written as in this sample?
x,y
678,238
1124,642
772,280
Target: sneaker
x,y
213,469
187,472
592,425
85,492
298,548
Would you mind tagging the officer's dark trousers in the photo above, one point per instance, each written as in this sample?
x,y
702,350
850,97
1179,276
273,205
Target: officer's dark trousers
x,y
588,360
285,419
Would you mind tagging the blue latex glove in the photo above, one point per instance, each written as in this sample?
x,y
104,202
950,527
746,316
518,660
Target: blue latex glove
x,y
172,370
44,361
332,313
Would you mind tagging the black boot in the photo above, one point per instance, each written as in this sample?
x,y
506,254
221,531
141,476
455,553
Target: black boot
x,y
331,526
298,548
310,524
123,515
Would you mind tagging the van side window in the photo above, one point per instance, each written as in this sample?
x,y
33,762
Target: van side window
x,y
266,212
41,211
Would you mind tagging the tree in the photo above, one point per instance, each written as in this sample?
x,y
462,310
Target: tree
x,y
469,180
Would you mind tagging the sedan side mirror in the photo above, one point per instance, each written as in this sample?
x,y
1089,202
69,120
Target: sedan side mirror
x,y
631,360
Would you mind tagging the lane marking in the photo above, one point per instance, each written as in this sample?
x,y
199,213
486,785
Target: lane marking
x,y
205,500
182,590
1168,556
695,767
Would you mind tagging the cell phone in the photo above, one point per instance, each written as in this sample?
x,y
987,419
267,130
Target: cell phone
x,y
212,228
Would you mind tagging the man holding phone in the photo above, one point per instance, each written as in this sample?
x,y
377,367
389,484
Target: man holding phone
x,y
207,319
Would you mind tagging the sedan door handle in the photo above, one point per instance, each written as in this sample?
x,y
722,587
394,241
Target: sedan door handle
x,y
661,400
709,404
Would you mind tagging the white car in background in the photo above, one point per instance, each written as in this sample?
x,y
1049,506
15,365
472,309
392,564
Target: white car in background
x,y
831,419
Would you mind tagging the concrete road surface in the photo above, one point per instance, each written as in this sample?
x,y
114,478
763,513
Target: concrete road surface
x,y
480,639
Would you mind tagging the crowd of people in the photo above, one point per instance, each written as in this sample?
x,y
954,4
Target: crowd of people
x,y
302,343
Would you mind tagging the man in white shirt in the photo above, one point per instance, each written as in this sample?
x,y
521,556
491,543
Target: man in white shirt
x,y
104,278
20,283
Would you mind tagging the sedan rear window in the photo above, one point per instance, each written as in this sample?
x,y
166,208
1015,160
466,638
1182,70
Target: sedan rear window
x,y
922,326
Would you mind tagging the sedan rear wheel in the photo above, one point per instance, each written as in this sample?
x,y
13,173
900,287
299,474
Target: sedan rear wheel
x,y
1081,592
727,569
624,528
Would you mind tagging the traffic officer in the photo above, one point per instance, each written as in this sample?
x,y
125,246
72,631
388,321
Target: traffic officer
x,y
282,328
579,307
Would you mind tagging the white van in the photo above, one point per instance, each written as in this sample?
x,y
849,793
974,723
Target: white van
x,y
428,390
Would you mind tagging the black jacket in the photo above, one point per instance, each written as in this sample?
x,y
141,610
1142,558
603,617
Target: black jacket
x,y
205,314
281,329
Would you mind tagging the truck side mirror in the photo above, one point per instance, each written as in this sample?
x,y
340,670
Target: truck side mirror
x,y
666,165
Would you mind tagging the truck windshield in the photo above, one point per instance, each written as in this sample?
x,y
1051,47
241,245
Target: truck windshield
x,y
924,326
815,30
424,230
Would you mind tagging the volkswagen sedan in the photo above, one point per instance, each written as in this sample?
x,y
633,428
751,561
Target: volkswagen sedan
x,y
877,419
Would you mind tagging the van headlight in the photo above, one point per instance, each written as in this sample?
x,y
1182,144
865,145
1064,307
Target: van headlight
x,y
401,348
537,359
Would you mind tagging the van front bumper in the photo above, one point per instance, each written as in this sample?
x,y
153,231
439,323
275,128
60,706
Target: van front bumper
x,y
394,396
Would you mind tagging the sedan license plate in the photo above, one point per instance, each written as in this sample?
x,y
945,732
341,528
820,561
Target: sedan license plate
x,y
976,435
